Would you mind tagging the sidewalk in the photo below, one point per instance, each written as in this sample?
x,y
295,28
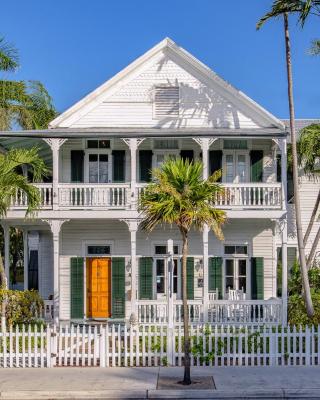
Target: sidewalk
x,y
142,383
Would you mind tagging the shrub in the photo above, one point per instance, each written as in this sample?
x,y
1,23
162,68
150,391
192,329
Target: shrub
x,y
22,306
297,314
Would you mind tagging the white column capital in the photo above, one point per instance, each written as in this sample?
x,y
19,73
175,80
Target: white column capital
x,y
133,143
133,224
55,225
205,142
55,143
5,225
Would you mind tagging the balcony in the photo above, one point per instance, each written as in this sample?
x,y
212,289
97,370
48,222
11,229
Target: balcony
x,y
242,196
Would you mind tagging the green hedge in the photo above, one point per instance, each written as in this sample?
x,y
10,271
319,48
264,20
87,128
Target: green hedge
x,y
22,306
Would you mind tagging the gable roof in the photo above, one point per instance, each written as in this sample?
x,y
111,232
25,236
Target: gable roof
x,y
91,100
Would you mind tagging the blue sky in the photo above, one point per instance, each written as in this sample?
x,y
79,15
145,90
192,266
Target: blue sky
x,y
73,46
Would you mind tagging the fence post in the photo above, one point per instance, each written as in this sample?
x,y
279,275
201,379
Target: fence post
x,y
53,345
307,344
272,347
48,339
102,347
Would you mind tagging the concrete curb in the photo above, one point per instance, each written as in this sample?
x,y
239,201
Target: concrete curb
x,y
161,394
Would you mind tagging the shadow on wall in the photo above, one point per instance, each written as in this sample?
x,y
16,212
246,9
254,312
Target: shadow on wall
x,y
200,102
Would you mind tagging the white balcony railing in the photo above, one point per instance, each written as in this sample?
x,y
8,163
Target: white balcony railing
x,y
117,195
250,195
89,195
218,311
245,195
20,200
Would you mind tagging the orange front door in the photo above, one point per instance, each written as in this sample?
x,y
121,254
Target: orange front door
x,y
98,287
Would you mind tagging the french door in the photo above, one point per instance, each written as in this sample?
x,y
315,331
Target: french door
x,y
98,167
161,278
236,167
236,274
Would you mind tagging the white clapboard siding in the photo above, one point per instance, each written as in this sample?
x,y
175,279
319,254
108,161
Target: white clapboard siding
x,y
200,105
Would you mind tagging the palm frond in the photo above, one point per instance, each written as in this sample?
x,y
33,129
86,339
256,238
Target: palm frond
x,y
9,60
309,149
179,196
303,8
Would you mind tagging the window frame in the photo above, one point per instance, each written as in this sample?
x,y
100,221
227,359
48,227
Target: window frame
x,y
235,154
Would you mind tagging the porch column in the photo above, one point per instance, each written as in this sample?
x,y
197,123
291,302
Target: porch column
x,y
55,226
283,147
284,273
133,160
6,237
133,145
55,145
205,266
25,259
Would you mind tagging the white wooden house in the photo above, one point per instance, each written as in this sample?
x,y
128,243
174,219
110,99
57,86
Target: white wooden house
x,y
84,250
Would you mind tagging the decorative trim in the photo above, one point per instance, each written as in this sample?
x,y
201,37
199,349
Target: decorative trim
x,y
55,224
133,224
205,143
54,143
130,142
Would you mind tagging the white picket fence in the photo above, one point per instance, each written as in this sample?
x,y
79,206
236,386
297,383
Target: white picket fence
x,y
154,345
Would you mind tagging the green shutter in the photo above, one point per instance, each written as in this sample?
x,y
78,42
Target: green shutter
x,y
118,165
190,278
145,165
256,162
77,157
187,155
118,287
215,161
215,275
257,278
146,278
76,287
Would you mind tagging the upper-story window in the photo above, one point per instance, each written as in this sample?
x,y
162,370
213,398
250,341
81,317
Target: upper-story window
x,y
98,144
166,144
166,101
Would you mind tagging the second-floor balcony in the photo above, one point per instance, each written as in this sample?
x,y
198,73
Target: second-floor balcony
x,y
88,196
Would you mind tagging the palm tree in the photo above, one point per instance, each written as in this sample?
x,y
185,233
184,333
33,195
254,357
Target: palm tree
x,y
179,196
12,182
309,156
26,104
282,8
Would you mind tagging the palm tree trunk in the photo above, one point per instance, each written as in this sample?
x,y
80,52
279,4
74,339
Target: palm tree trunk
x,y
313,249
312,219
187,375
302,257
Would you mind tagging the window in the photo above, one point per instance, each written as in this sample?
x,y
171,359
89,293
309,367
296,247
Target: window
x,y
98,144
98,168
166,101
235,249
162,249
166,144
236,274
93,250
176,280
236,167
160,275
232,144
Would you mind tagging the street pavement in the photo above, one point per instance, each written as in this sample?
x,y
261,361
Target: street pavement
x,y
142,383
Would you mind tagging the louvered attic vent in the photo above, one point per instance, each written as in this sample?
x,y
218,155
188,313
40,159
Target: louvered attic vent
x,y
166,101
